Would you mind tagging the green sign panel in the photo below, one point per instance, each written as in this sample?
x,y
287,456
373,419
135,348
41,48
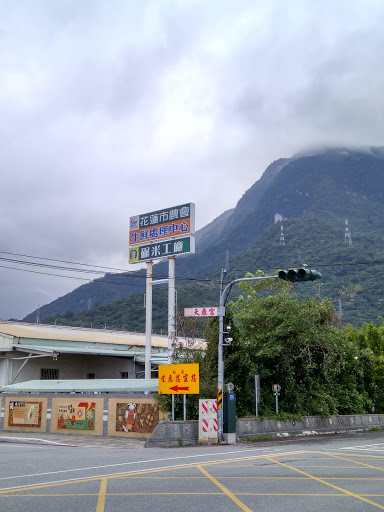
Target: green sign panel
x,y
162,249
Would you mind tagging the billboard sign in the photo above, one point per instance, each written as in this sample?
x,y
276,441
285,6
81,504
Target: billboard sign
x,y
153,251
162,224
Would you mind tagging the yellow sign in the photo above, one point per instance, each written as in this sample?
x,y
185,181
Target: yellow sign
x,y
179,379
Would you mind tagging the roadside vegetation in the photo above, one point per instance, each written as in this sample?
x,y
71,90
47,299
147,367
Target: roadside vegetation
x,y
322,367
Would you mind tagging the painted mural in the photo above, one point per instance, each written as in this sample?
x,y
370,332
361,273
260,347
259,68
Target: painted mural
x,y
24,413
76,416
136,417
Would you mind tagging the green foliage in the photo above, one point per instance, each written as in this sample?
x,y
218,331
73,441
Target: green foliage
x,y
297,344
370,361
323,369
257,439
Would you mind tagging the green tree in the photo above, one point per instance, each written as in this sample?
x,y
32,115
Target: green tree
x,y
297,345
370,340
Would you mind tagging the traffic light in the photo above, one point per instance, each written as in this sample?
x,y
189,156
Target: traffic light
x,y
301,274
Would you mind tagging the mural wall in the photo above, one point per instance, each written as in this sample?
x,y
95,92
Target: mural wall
x,y
77,415
127,416
25,413
133,417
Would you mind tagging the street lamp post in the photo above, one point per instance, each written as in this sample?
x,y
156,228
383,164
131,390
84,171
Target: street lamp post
x,y
220,362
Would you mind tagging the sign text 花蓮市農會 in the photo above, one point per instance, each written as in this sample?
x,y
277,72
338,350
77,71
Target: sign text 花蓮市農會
x,y
162,224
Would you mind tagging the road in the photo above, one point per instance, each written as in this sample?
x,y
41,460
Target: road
x,y
338,472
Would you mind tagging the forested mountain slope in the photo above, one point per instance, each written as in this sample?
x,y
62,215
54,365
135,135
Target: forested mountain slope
x,y
314,194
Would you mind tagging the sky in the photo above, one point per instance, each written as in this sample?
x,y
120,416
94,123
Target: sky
x,y
110,109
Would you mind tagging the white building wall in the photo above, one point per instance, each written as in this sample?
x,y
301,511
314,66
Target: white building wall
x,y
70,366
4,370
5,342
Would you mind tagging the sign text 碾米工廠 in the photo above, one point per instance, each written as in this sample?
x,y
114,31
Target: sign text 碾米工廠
x,y
162,249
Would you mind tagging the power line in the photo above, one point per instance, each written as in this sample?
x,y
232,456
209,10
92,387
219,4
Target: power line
x,y
61,261
46,273
126,274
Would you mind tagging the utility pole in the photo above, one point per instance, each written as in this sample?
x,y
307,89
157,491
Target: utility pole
x,y
220,361
293,275
148,320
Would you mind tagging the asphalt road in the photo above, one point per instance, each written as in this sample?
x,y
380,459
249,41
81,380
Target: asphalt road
x,y
338,472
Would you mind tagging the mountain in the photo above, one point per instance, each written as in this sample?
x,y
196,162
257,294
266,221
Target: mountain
x,y
315,193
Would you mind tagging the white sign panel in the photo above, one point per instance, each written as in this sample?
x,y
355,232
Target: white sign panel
x,y
202,312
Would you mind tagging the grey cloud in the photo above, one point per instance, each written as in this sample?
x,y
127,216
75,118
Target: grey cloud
x,y
107,109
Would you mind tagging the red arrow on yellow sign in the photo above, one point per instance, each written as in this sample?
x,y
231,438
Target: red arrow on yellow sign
x,y
179,388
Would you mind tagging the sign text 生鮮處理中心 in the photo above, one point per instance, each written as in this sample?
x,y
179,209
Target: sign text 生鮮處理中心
x,y
167,223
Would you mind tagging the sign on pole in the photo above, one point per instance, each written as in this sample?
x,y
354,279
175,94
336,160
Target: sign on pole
x,y
207,311
179,379
156,235
163,224
162,249
276,388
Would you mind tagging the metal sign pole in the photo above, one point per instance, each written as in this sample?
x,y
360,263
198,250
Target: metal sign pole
x,y
171,307
173,407
277,403
148,321
257,394
185,407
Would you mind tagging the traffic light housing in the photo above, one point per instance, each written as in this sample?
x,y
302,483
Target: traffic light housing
x,y
300,274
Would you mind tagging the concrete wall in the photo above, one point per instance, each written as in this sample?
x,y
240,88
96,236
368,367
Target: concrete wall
x,y
174,433
253,427
185,433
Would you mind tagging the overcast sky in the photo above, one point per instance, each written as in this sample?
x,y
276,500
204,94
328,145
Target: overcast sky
x,y
112,108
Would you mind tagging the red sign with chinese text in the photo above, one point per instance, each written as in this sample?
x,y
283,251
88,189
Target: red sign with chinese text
x,y
202,312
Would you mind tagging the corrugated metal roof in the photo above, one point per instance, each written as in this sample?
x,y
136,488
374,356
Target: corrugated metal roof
x,y
84,386
138,355
63,333
77,334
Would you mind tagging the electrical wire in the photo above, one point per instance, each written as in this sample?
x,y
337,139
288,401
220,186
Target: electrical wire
x,y
126,274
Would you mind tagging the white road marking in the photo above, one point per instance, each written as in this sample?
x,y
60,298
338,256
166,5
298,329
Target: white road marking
x,y
377,447
271,453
